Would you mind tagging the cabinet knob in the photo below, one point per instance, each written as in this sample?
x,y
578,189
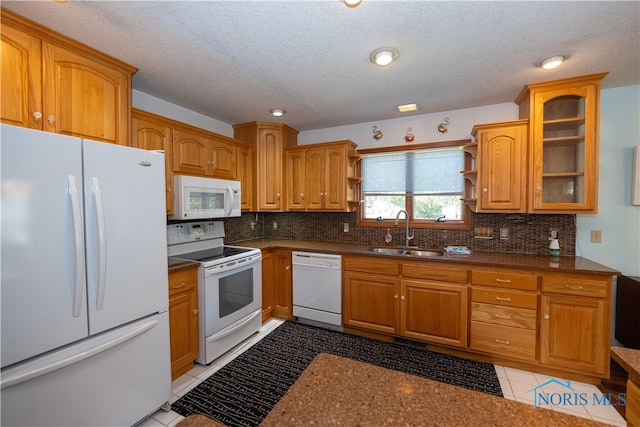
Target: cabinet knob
x,y
395,296
169,189
302,195
195,311
278,196
288,267
546,316
402,298
37,115
485,189
51,119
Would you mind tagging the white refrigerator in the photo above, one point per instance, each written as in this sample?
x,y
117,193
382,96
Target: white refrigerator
x,y
84,298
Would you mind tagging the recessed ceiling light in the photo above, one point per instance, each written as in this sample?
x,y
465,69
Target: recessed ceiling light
x,y
384,56
552,62
407,107
278,112
352,3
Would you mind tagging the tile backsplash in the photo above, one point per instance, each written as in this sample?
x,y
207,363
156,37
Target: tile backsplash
x,y
512,233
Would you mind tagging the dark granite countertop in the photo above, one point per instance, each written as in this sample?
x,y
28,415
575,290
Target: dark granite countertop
x,y
569,264
343,392
629,359
180,264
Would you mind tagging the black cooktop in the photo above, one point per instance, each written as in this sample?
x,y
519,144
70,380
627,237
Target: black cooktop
x,y
213,253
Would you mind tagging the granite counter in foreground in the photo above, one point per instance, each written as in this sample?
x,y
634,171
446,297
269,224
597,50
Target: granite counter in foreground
x,y
334,391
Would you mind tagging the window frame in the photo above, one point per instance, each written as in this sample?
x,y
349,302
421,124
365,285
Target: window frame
x,y
462,224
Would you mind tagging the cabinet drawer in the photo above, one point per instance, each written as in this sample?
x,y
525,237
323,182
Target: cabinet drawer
x,y
505,297
503,340
435,272
506,316
505,279
576,284
183,280
371,265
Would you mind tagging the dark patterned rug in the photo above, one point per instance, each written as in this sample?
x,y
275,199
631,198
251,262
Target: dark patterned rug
x,y
244,391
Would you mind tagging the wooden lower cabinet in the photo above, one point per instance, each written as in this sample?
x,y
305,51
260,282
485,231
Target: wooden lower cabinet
x,y
371,301
425,310
277,284
434,312
574,333
575,322
183,320
633,403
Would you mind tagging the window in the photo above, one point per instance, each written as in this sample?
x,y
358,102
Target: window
x,y
425,181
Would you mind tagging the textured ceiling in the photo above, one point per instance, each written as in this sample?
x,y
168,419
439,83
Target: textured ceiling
x,y
234,60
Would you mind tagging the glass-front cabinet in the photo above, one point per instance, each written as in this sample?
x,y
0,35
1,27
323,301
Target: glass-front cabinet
x,y
563,144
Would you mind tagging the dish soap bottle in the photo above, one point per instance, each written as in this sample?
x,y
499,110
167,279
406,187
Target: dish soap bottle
x,y
388,238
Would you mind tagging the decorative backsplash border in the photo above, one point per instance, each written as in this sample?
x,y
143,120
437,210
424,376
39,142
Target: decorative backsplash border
x,y
527,234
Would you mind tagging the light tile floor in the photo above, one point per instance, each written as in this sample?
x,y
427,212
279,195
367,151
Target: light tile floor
x,y
516,385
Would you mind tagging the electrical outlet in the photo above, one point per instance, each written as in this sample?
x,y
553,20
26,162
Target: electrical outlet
x,y
504,233
596,236
553,233
253,225
346,227
275,225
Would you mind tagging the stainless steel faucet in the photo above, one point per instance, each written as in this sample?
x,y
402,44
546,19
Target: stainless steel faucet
x,y
406,232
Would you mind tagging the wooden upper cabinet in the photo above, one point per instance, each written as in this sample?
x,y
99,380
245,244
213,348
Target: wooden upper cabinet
x,y
21,57
245,167
502,166
151,132
269,139
202,154
319,176
563,144
83,92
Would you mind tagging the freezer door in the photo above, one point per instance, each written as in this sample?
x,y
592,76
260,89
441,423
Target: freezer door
x,y
113,379
126,236
42,281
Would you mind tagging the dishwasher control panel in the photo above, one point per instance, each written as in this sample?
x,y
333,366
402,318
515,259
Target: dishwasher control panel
x,y
316,259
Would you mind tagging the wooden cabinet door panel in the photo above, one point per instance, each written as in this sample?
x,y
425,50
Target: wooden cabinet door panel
x,y
434,312
270,167
21,73
245,174
335,182
295,180
284,284
149,135
371,301
85,98
574,333
189,153
502,169
315,179
223,160
184,331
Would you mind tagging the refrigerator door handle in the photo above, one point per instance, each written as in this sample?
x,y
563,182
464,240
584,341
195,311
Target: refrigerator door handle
x,y
102,250
75,354
78,239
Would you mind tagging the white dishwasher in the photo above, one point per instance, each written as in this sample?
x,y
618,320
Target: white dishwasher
x,y
317,287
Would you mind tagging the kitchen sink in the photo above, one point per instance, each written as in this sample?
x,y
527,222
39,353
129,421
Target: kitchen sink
x,y
408,251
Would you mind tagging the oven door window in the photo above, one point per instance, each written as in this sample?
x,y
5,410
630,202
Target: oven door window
x,y
235,292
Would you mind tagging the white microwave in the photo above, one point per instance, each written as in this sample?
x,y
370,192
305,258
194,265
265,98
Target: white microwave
x,y
203,198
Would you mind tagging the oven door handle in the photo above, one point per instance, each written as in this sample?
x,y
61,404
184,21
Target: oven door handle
x,y
246,320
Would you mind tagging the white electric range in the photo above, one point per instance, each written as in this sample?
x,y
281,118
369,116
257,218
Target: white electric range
x,y
229,285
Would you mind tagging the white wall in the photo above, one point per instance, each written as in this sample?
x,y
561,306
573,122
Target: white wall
x,y
423,127
617,218
163,108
